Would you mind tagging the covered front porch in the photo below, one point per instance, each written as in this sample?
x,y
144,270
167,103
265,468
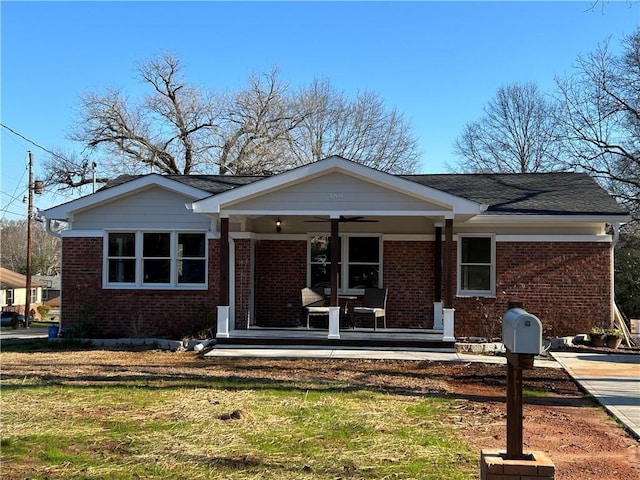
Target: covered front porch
x,y
344,228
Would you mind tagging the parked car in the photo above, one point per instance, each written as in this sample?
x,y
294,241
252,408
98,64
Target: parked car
x,y
7,317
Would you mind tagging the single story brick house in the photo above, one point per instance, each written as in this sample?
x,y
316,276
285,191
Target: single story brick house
x,y
164,255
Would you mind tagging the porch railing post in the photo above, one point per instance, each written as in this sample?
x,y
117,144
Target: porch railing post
x,y
223,322
437,316
448,325
334,323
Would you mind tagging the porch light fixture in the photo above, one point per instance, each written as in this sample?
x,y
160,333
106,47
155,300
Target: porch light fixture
x,y
278,225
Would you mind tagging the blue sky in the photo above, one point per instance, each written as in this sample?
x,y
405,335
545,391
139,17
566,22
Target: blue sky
x,y
436,62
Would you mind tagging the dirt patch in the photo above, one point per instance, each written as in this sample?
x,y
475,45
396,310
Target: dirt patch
x,y
580,438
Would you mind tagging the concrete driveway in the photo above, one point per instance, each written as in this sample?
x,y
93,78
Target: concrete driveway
x,y
613,379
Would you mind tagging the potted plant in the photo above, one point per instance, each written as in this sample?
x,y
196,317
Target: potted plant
x,y
614,338
598,336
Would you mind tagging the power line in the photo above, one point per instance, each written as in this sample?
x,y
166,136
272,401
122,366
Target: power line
x,y
32,142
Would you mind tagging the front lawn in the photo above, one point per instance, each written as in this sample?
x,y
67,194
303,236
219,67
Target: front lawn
x,y
175,426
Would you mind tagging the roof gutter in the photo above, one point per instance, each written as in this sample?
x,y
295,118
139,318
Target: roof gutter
x,y
49,230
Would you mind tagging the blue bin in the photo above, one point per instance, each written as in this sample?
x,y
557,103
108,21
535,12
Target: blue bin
x,y
53,332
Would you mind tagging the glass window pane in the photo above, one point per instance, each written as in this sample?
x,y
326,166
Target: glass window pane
x,y
363,276
191,245
321,249
156,271
191,271
122,271
122,244
321,275
476,250
364,249
475,277
156,244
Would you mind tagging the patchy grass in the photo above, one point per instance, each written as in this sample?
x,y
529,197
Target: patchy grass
x,y
225,428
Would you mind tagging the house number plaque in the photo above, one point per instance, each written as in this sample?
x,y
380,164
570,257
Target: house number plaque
x,y
335,196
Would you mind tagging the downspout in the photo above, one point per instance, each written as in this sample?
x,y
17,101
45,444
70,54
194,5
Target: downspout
x,y
47,228
614,242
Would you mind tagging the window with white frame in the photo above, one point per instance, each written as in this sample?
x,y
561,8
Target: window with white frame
x,y
156,259
9,297
359,261
34,295
476,265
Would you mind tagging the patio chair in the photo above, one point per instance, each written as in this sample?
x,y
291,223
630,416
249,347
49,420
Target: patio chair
x,y
375,303
313,304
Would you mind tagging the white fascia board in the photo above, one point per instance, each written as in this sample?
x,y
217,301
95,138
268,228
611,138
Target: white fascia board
x,y
555,238
66,210
548,219
334,214
82,233
215,203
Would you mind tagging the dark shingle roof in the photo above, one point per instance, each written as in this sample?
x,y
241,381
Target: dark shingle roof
x,y
528,193
519,194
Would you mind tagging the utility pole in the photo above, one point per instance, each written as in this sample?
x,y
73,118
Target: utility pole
x,y
34,187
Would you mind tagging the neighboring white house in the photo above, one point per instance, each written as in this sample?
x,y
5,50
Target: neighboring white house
x,y
13,288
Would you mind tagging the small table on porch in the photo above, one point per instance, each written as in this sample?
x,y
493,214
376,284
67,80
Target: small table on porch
x,y
345,309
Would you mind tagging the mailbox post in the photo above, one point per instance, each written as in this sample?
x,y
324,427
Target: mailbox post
x,y
522,337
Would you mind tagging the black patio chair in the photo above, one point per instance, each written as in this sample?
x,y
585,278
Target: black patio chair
x,y
375,304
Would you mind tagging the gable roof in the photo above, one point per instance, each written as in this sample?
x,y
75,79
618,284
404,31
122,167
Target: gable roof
x,y
555,194
346,168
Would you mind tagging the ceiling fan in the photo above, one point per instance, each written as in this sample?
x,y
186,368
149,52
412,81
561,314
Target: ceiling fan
x,y
343,219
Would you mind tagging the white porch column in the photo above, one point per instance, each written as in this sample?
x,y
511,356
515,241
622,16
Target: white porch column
x,y
448,321
223,321
437,315
334,323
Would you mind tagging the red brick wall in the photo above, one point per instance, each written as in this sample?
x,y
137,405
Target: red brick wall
x,y
119,312
242,282
566,285
409,276
280,274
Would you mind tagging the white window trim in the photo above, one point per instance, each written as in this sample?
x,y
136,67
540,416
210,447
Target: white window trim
x,y
10,297
344,266
476,293
139,283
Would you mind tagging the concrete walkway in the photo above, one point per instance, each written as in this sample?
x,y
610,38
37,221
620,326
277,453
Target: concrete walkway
x,y
613,379
436,355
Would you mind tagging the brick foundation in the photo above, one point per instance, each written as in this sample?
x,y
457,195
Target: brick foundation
x,y
494,466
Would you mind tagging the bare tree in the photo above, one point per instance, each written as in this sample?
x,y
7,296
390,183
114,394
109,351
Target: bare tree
x,y
517,134
168,132
360,129
256,125
262,129
600,117
46,248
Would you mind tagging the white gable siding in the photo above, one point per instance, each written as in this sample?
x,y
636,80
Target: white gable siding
x,y
334,191
147,209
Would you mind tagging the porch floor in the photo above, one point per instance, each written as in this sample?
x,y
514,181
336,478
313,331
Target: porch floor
x,y
359,337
